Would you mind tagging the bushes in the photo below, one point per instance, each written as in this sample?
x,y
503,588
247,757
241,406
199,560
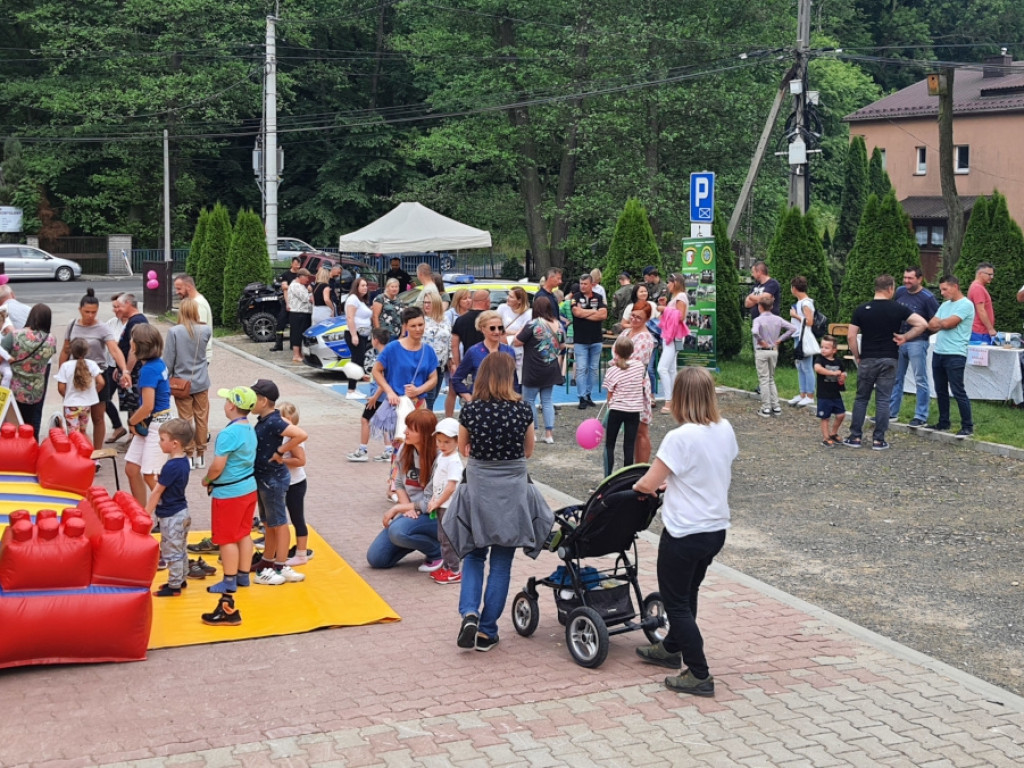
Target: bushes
x,y
727,305
633,246
213,256
248,261
855,194
195,252
796,250
511,269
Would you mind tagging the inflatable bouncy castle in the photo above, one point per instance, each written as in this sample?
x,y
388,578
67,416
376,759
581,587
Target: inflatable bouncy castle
x,y
74,586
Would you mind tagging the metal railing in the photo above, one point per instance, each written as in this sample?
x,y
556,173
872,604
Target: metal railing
x,y
139,255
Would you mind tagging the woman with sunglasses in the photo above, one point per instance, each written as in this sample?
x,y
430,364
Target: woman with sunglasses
x,y
674,314
489,324
542,342
643,350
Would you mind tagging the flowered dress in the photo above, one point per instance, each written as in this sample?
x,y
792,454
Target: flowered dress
x,y
643,348
390,315
439,336
30,354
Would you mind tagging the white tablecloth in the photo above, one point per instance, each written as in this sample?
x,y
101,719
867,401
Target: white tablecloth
x,y
999,380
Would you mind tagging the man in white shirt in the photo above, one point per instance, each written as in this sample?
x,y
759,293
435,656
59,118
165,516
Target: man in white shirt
x,y
185,288
17,313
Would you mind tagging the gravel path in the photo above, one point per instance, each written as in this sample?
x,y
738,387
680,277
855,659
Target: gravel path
x,y
921,543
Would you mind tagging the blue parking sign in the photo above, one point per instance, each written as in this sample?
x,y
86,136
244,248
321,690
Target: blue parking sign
x,y
702,197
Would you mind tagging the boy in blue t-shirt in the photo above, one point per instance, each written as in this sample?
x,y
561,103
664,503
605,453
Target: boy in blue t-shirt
x,y
168,503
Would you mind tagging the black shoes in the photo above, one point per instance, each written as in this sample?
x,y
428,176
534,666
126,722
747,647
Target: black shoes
x,y
224,615
467,632
583,404
485,643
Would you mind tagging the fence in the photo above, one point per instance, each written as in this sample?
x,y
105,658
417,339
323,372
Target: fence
x,y
89,252
139,255
480,264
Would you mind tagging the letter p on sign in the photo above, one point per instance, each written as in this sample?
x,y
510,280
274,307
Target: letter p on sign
x,y
702,197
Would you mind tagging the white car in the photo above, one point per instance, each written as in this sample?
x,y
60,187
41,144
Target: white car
x,y
24,261
290,247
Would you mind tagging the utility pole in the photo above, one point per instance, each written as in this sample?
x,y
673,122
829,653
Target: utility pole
x,y
270,165
167,199
947,178
798,187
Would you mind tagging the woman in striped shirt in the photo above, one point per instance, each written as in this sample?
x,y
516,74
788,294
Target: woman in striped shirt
x,y
628,394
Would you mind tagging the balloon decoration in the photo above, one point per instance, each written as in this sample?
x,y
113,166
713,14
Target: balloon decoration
x,y
4,279
589,434
153,284
151,275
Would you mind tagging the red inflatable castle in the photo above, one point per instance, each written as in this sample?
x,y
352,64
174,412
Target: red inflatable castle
x,y
74,587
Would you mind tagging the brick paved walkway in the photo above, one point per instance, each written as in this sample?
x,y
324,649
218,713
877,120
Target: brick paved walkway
x,y
795,686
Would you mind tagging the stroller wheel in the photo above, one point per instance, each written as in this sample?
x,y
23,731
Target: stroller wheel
x,y
525,614
587,637
654,608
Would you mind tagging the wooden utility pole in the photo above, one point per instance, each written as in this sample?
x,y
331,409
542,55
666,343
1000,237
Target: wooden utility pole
x,y
954,209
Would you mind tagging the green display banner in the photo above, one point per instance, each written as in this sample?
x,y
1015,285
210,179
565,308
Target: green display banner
x,y
700,348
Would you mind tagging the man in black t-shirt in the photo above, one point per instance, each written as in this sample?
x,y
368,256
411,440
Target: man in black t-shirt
x,y
763,283
404,278
876,355
588,312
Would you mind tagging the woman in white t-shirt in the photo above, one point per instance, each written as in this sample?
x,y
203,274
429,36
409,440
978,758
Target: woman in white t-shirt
x,y
359,323
694,463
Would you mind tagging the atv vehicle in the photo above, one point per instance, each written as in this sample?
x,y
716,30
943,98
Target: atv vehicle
x,y
258,309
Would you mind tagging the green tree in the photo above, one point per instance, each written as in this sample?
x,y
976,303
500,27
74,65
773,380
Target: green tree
x,y
633,245
878,178
196,249
727,281
248,262
993,236
213,259
855,194
885,245
796,250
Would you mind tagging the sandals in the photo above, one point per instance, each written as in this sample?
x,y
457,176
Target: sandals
x,y
834,438
829,442
117,435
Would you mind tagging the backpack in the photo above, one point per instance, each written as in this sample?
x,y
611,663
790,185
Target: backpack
x,y
819,325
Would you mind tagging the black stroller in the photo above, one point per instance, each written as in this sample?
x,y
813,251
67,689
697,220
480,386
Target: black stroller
x,y
588,600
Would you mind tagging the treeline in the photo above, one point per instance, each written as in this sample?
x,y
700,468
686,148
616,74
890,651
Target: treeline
x,y
536,120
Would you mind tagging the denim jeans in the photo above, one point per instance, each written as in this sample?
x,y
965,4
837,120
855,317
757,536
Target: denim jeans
x,y
273,491
497,586
588,359
402,537
547,405
873,373
914,354
682,564
948,374
805,374
652,371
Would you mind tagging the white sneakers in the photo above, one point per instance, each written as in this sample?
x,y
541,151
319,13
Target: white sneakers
x,y
198,461
795,400
805,401
358,455
273,578
355,394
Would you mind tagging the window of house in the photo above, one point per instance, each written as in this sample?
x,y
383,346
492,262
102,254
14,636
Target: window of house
x,y
922,161
938,234
921,230
962,158
881,151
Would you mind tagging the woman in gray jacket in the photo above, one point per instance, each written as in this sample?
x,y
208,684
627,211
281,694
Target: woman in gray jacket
x,y
185,357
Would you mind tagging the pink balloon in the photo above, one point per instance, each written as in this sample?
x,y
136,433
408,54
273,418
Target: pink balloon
x,y
153,284
151,275
589,434
4,279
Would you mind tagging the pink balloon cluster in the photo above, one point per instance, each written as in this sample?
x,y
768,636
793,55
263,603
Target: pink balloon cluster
x,y
151,282
589,434
4,279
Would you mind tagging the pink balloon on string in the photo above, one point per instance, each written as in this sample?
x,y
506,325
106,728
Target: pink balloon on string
x,y
4,279
151,275
153,284
589,434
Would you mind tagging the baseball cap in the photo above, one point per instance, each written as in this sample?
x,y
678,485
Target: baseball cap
x,y
649,269
624,276
448,426
267,389
242,398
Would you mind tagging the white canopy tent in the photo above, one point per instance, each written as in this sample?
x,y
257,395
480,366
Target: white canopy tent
x,y
413,228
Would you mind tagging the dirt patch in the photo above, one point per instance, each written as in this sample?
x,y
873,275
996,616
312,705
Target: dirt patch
x,y
921,543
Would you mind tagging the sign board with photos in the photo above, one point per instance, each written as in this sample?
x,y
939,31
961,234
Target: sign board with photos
x,y
700,348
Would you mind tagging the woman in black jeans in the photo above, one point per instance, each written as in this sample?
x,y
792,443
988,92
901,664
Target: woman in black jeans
x,y
694,463
31,348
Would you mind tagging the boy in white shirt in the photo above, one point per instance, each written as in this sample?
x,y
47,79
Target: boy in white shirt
x,y
445,479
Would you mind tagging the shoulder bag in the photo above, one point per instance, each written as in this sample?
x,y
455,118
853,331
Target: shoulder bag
x,y
182,388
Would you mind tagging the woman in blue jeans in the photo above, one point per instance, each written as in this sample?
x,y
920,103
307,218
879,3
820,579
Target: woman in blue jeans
x,y
694,463
542,341
496,509
407,525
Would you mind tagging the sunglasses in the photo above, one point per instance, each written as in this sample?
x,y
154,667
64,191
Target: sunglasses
x,y
495,327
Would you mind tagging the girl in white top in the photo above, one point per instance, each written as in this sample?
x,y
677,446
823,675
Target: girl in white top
x,y
295,499
667,363
694,465
628,390
359,322
77,382
516,314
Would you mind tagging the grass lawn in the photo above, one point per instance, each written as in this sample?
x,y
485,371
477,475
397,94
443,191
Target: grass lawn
x,y
993,422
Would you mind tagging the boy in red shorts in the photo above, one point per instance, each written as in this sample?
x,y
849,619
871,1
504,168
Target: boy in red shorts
x,y
229,481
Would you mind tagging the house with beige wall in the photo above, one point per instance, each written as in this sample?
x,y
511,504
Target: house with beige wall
x,y
988,138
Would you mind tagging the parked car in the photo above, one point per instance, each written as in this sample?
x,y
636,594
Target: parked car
x,y
24,261
324,347
258,308
290,247
349,268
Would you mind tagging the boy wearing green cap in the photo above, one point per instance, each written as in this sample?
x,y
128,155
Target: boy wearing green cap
x,y
229,481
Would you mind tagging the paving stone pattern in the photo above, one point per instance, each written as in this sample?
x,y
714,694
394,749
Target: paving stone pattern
x,y
795,687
